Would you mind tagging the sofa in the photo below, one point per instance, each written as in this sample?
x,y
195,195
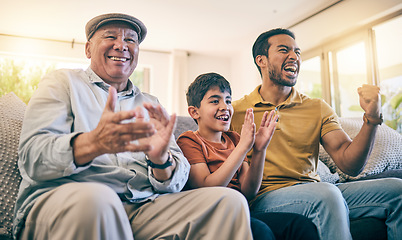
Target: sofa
x,y
385,161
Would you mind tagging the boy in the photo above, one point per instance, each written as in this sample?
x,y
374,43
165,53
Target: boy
x,y
218,156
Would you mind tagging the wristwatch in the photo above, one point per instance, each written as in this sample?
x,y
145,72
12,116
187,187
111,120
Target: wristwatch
x,y
372,121
168,163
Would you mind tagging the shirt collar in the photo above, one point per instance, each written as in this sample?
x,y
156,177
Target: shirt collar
x,y
95,79
256,99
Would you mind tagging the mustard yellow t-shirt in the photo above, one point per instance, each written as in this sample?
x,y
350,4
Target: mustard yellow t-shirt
x,y
292,154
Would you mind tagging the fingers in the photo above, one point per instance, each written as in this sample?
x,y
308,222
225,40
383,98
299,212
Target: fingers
x,y
158,113
269,118
111,99
132,131
368,91
249,116
370,99
133,147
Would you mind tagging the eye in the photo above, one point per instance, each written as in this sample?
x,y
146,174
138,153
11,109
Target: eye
x,y
283,50
215,101
131,40
110,37
229,102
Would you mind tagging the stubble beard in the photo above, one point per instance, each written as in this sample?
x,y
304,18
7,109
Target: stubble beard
x,y
278,80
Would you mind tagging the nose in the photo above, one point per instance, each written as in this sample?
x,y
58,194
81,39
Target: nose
x,y
120,44
293,55
224,106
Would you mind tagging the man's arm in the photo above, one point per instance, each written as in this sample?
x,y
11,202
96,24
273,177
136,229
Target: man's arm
x,y
351,156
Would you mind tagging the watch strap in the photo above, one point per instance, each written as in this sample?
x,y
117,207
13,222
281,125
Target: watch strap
x,y
168,163
373,121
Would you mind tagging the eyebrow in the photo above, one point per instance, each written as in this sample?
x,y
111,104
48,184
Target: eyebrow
x,y
219,96
107,32
287,47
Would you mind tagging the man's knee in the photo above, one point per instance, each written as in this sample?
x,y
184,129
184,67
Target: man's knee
x,y
93,198
329,194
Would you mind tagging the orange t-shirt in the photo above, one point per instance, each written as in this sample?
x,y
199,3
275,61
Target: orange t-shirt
x,y
199,150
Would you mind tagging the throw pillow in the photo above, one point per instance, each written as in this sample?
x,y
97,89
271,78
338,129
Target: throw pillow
x,y
11,115
386,153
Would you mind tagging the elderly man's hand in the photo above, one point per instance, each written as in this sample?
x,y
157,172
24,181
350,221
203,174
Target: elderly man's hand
x,y
370,100
159,141
114,133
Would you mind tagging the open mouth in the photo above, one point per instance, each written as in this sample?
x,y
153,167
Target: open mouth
x,y
120,59
290,69
224,118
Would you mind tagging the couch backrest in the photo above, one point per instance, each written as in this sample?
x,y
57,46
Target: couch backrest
x,y
11,115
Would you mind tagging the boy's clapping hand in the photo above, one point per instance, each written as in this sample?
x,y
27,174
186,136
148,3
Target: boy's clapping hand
x,y
247,135
266,131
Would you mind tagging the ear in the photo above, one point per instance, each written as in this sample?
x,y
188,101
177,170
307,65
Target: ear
x,y
88,49
193,111
261,60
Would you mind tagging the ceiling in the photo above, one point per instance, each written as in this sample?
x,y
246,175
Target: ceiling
x,y
211,27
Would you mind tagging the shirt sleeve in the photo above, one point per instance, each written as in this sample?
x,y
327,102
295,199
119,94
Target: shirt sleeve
x,y
330,121
45,152
191,147
180,175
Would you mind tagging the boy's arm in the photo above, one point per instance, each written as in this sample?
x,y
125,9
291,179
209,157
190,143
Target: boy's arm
x,y
200,176
251,179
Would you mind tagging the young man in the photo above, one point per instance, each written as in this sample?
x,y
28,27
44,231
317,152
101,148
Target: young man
x,y
290,181
218,156
98,159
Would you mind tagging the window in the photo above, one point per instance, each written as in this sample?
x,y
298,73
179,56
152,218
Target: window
x,y
371,55
309,80
21,74
388,37
348,72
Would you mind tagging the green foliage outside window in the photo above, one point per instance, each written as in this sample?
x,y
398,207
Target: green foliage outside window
x,y
392,110
21,78
315,92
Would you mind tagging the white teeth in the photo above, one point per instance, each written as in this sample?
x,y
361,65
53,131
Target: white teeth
x,y
224,118
290,68
118,59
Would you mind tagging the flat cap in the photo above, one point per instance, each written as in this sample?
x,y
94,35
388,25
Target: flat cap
x,y
96,22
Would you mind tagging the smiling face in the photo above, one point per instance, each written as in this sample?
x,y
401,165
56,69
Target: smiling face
x,y
214,114
284,59
113,51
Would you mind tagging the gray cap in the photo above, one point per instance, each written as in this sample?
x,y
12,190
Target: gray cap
x,y
96,22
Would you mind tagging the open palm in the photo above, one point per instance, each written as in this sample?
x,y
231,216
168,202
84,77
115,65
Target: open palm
x,y
266,131
164,125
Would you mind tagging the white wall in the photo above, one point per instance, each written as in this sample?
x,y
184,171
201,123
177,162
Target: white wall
x,y
245,76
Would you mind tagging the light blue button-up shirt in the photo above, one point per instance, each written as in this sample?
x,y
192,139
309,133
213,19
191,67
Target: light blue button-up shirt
x,y
67,103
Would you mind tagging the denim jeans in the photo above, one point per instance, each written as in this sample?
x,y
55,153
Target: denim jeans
x,y
330,206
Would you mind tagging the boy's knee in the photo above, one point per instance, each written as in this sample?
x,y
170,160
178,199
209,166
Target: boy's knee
x,y
229,198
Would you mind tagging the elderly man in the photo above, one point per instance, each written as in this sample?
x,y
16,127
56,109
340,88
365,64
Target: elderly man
x,y
97,156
